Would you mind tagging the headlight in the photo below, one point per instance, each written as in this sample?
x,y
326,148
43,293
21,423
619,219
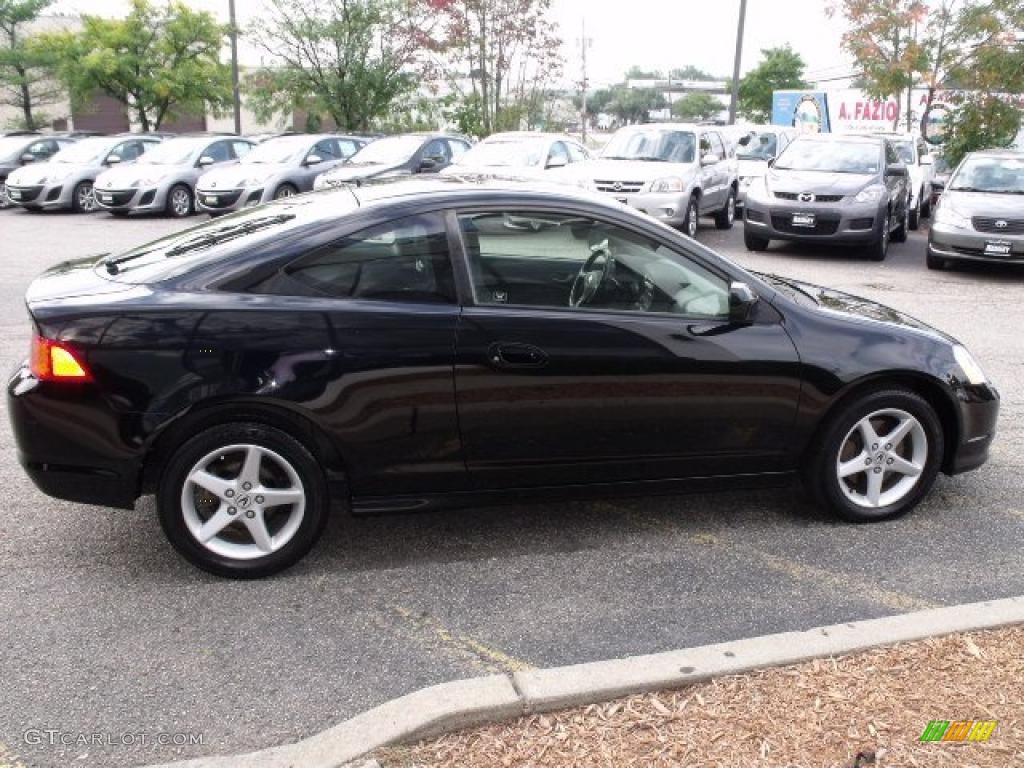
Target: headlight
x,y
668,184
871,194
969,365
950,217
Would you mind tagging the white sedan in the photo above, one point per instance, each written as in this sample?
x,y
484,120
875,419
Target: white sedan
x,y
518,154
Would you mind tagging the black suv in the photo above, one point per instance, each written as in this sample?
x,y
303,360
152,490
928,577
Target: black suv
x,y
831,188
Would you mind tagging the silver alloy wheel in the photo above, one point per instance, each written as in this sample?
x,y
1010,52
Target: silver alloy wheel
x,y
284,192
181,202
5,201
86,198
691,219
243,501
730,213
882,458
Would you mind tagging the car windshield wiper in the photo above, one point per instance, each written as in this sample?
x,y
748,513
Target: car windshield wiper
x,y
967,189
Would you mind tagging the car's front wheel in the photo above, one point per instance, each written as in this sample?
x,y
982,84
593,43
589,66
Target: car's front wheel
x,y
242,500
755,243
692,215
179,201
725,217
878,249
877,457
285,190
914,219
82,198
936,262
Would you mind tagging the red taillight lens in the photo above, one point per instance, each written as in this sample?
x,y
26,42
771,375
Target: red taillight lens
x,y
56,361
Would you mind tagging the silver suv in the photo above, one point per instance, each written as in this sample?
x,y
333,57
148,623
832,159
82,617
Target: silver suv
x,y
672,171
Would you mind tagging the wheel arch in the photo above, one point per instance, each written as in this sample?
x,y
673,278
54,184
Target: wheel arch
x,y
932,390
161,445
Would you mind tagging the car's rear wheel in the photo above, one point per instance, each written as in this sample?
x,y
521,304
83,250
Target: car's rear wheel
x,y
755,243
179,201
692,215
878,249
914,218
725,217
285,190
242,500
82,198
877,457
926,205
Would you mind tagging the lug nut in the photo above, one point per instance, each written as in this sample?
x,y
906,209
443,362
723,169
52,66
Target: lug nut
x,y
232,510
248,486
888,446
868,461
889,461
250,514
259,499
874,447
229,493
877,470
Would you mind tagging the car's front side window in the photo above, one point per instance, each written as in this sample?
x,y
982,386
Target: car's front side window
x,y
566,261
404,260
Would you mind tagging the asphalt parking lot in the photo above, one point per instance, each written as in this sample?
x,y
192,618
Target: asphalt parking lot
x,y
104,630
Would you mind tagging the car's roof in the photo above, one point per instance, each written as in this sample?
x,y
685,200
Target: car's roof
x,y
508,135
996,152
865,138
669,127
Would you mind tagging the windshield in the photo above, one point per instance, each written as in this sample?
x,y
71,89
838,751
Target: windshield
x,y
282,150
390,151
757,146
505,153
173,152
86,151
657,145
12,145
941,165
905,150
830,156
990,174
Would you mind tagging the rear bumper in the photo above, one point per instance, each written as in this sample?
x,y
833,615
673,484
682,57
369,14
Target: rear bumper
x,y
979,411
65,455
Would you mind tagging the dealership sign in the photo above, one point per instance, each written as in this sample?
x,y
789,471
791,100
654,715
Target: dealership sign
x,y
850,110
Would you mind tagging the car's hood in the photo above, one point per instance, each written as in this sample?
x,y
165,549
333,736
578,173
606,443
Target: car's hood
x,y
832,300
818,182
495,171
984,204
630,170
121,178
38,173
751,168
355,172
233,176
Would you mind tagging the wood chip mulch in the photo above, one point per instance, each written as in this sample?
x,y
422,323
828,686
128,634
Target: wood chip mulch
x,y
818,714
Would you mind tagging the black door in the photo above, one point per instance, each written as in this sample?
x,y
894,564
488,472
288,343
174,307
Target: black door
x,y
596,354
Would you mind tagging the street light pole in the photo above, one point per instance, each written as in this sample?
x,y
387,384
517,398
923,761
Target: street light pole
x,y
735,96
236,94
584,43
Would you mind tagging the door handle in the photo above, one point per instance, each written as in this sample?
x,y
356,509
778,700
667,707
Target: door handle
x,y
513,355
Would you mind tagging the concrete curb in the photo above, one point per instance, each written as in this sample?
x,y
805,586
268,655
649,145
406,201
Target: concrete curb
x,y
466,703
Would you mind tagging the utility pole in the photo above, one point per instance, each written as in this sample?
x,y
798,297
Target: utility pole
x,y
584,42
234,68
735,96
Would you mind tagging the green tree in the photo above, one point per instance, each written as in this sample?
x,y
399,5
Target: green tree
x,y
779,69
26,70
636,72
351,60
633,105
697,106
690,72
160,62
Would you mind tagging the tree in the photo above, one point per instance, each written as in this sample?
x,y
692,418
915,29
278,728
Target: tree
x,y
633,105
26,70
779,69
636,72
499,56
160,62
690,72
697,106
351,60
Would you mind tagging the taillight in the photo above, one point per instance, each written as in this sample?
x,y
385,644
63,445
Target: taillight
x,y
56,361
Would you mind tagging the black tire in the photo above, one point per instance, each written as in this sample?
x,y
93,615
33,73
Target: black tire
x,y
119,214
285,190
725,217
691,218
175,210
820,476
936,262
76,197
926,207
899,234
914,219
172,485
878,249
755,243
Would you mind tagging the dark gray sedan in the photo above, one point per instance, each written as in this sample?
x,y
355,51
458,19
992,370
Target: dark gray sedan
x,y
981,214
278,167
829,188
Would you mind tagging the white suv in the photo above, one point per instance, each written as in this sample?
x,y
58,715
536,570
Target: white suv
x,y
915,152
672,171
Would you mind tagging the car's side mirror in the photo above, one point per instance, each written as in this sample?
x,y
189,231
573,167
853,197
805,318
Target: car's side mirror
x,y
925,160
429,164
557,162
896,169
28,157
206,160
314,160
112,159
742,301
710,159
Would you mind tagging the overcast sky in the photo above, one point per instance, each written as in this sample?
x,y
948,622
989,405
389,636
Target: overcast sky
x,y
655,34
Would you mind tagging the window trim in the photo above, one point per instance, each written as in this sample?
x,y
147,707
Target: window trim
x,y
464,279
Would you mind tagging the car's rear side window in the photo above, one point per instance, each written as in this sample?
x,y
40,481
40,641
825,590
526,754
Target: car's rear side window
x,y
403,260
